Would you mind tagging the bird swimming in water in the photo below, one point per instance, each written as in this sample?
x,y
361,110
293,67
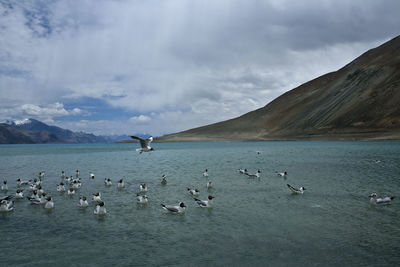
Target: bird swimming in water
x,y
143,188
107,181
193,192
252,175
62,175
205,203
83,202
180,208
295,190
282,174
6,205
208,185
100,209
77,173
380,201
144,143
164,179
97,197
49,203
205,173
4,187
61,187
20,182
19,194
91,175
71,192
121,184
141,199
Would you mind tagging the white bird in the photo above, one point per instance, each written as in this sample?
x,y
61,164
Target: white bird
x,y
4,187
205,203
380,201
175,209
19,194
83,202
141,199
41,175
193,192
71,192
76,184
107,182
144,143
295,190
34,195
38,200
282,174
61,187
205,173
257,174
242,171
20,182
121,184
100,209
62,174
91,175
164,179
97,197
32,187
143,188
77,173
6,206
208,185
49,203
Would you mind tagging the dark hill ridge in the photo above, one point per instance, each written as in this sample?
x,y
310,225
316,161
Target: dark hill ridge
x,y
359,101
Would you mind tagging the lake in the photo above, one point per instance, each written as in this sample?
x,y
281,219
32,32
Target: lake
x,y
253,222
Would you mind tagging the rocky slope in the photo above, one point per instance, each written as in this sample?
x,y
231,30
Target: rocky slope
x,y
359,101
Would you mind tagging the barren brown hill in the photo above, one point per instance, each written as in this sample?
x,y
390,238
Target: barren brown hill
x,y
359,101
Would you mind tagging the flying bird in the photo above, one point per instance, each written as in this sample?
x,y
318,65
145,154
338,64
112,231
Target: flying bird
x,y
144,143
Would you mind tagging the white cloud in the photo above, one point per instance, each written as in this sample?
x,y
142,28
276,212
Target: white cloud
x,y
140,118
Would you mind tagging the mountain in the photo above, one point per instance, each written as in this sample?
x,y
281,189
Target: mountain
x,y
31,131
359,101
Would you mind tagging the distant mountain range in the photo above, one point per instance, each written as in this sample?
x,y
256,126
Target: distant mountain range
x,y
359,101
31,131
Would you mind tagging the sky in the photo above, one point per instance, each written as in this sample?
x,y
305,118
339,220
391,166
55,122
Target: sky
x,y
158,67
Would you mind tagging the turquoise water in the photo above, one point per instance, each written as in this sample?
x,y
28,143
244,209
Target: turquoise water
x,y
254,222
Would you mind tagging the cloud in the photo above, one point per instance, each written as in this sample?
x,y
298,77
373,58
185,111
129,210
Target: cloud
x,y
191,62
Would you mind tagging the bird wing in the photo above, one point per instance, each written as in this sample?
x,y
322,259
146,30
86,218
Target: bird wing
x,y
143,143
170,208
201,202
294,190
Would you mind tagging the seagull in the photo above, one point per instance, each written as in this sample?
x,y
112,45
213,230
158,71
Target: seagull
x,y
208,185
242,171
76,184
143,188
100,209
144,143
71,192
205,203
180,208
19,194
380,201
61,187
193,192
20,182
77,173
62,174
91,175
295,190
282,174
205,173
97,197
6,206
141,199
4,187
49,204
164,179
41,175
121,184
83,202
35,199
107,182
257,174
34,196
